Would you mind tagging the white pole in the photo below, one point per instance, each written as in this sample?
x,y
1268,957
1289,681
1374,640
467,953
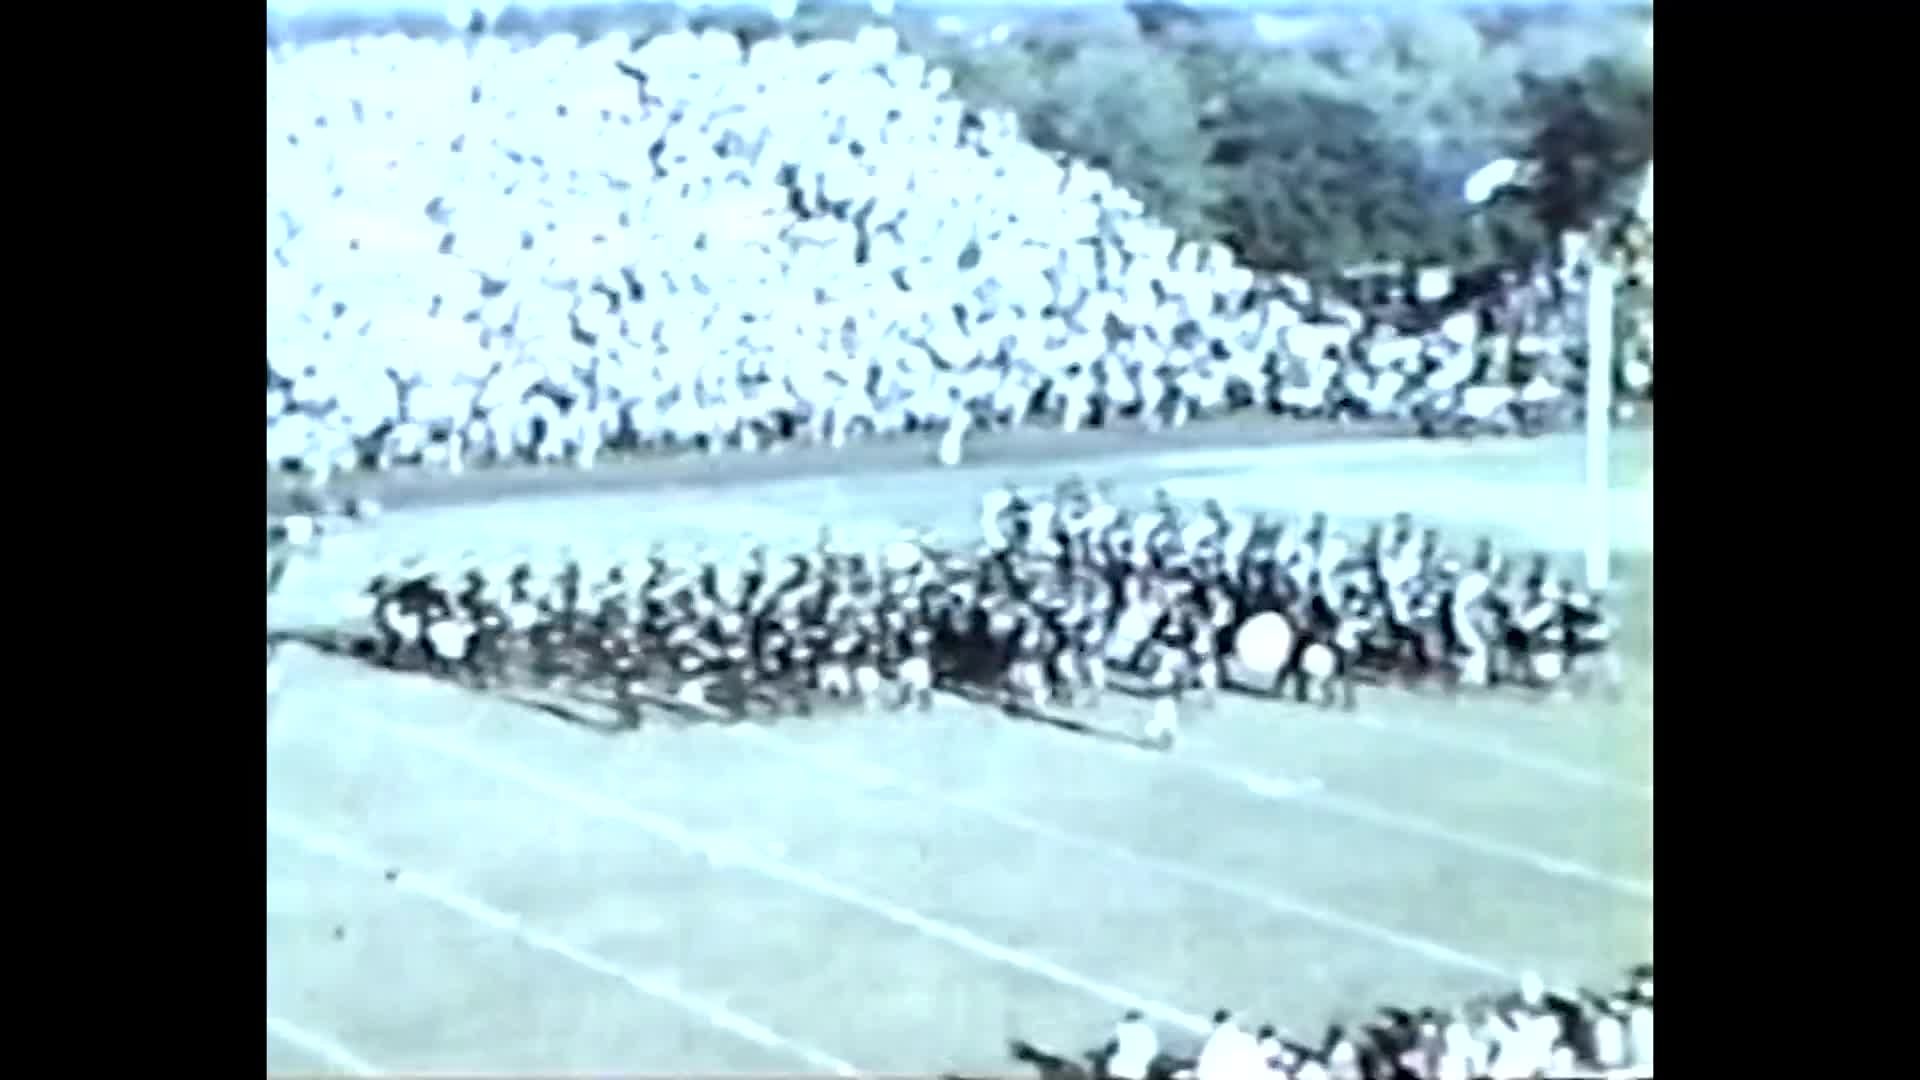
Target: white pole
x,y
1601,281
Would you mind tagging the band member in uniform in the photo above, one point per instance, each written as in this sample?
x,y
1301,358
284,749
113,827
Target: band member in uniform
x,y
1163,726
1464,625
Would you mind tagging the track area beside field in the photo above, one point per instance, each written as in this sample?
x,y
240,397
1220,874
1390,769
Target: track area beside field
x,y
460,884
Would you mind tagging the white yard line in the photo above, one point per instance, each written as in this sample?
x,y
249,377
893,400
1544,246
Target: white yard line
x,y
1273,900
1310,793
1469,743
1315,796
1146,461
314,1044
658,987
737,855
1494,749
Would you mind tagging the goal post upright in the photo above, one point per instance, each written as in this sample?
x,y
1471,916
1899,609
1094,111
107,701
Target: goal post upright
x,y
1602,281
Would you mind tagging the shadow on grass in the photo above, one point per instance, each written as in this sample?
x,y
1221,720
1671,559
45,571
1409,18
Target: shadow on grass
x,y
567,713
974,695
573,711
329,642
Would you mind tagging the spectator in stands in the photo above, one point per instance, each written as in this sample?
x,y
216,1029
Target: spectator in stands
x,y
1133,1048
477,252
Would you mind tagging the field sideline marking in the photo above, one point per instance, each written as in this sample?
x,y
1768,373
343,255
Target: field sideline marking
x,y
479,911
1341,806
860,769
1496,750
739,855
326,1048
1311,793
1455,739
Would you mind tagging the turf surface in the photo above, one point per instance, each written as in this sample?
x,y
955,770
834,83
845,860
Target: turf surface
x,y
457,883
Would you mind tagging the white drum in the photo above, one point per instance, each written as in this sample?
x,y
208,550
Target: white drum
x,y
901,557
1548,667
450,638
1264,644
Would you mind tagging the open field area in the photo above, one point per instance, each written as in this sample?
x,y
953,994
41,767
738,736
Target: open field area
x,y
458,884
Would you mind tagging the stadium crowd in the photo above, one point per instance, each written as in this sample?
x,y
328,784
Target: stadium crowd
x,y
1526,1034
482,253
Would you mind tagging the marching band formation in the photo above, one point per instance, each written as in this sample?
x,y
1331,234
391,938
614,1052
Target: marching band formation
x,y
1068,595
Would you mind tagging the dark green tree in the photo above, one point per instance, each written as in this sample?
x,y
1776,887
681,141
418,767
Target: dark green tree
x,y
1318,185
1591,136
1134,114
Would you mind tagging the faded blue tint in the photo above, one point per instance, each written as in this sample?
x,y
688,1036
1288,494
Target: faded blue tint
x,y
368,8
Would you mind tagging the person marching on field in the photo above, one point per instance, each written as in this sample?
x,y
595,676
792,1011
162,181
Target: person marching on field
x,y
1092,513
1398,564
1469,592
1042,526
1001,514
291,536
285,539
1163,727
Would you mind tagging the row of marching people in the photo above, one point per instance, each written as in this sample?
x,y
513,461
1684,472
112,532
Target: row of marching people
x,y
1067,596
1526,1034
1302,603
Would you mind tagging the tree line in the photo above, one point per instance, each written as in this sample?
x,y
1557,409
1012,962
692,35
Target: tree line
x,y
1349,148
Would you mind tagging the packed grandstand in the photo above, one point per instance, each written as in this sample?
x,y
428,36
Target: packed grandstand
x,y
477,254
